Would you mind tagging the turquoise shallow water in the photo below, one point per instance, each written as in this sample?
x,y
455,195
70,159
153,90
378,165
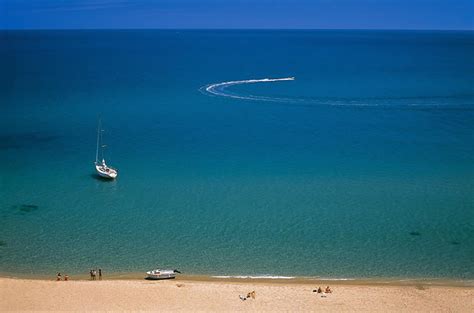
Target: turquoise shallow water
x,y
363,166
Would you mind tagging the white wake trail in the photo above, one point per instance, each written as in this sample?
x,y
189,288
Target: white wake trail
x,y
221,90
218,89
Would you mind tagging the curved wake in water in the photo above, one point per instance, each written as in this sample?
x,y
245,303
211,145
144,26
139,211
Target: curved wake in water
x,y
221,90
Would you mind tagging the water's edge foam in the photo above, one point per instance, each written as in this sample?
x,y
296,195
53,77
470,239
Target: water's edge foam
x,y
253,277
269,279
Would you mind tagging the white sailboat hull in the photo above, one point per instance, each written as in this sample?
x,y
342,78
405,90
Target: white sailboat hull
x,y
105,171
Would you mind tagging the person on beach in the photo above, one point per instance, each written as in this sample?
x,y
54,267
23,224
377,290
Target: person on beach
x,y
320,290
66,277
58,277
90,273
328,290
94,274
100,274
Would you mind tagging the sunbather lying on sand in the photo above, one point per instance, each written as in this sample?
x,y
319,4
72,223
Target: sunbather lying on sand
x,y
251,294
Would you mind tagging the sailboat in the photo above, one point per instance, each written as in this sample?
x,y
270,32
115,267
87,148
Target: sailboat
x,y
101,167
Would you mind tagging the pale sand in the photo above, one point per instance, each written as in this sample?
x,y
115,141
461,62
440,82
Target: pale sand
x,y
220,296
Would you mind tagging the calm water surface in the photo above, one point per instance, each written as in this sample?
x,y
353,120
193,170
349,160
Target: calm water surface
x,y
363,166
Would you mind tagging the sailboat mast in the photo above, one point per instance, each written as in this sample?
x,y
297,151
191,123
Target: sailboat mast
x,y
102,146
98,137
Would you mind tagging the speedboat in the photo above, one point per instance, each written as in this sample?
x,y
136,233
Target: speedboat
x,y
161,274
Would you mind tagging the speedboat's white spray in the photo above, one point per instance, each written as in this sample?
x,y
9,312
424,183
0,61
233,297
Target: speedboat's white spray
x,y
219,89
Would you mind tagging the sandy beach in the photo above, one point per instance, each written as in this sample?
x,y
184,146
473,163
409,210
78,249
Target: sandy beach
x,y
218,296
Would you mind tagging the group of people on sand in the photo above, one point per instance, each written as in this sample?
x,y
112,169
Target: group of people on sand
x,y
59,277
94,273
320,290
251,294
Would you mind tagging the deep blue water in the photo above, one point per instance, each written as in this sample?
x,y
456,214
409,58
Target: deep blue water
x,y
363,166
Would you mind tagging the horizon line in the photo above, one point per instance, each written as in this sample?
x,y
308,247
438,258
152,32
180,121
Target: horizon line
x,y
243,28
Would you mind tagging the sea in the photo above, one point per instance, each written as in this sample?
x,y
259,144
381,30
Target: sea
x,y
337,154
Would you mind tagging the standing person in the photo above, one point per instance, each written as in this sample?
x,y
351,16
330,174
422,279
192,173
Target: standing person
x,y
94,274
66,277
90,272
58,277
100,274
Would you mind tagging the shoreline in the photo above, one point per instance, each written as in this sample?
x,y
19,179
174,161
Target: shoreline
x,y
296,280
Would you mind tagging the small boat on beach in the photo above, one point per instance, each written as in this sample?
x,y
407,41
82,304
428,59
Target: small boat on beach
x,y
101,167
161,274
